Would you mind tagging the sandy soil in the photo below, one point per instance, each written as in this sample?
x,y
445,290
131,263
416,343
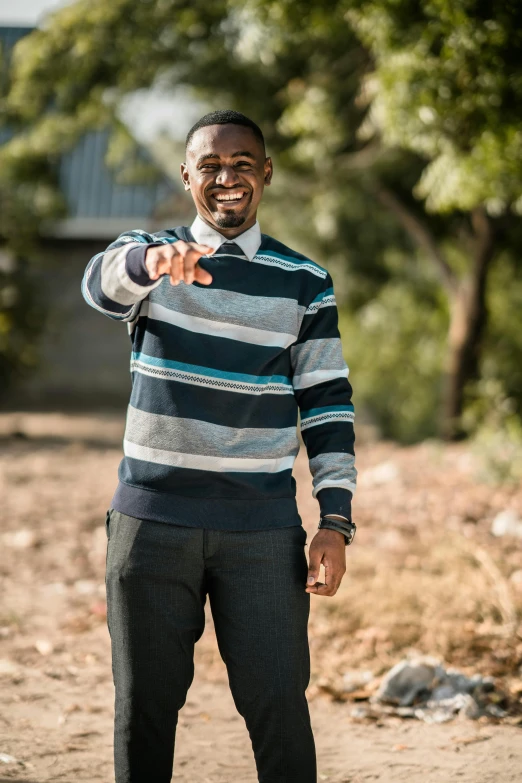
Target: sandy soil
x,y
56,478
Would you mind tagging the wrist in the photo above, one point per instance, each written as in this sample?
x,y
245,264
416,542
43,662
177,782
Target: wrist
x,y
345,527
136,265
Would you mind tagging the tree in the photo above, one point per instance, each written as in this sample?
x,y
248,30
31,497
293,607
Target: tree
x,y
28,197
447,85
396,124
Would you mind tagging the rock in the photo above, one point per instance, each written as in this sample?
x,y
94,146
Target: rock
x,y
20,539
384,473
360,713
44,646
8,668
356,680
5,758
507,523
469,708
422,688
406,682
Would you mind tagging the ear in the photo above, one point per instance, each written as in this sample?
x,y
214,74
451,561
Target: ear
x,y
185,176
269,170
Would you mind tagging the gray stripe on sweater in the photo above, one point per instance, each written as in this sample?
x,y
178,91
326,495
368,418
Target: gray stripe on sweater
x,y
192,436
333,467
313,355
275,314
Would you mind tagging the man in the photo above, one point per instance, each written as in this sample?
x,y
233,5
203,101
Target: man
x,y
232,332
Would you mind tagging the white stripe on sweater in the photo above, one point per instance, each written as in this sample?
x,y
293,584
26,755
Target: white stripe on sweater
x,y
177,459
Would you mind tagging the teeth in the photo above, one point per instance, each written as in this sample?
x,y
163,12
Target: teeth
x,y
231,197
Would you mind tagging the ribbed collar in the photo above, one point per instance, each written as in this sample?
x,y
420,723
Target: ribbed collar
x,y
249,241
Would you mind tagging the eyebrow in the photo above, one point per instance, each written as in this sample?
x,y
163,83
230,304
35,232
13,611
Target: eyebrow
x,y
241,154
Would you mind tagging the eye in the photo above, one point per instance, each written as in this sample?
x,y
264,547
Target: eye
x,y
244,164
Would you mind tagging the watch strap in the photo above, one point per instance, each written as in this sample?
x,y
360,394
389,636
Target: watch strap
x,y
346,528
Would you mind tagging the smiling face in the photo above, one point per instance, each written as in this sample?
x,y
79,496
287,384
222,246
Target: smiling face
x,y
226,171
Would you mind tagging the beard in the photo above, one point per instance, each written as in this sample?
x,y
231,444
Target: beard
x,y
230,220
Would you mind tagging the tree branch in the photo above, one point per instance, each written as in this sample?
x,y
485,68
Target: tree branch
x,y
419,232
484,237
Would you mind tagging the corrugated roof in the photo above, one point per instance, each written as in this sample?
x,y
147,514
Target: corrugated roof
x,y
91,190
89,186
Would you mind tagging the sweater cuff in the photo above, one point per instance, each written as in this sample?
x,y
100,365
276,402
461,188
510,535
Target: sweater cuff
x,y
135,264
335,500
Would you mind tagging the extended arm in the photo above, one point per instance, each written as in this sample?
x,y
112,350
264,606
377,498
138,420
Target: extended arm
x,y
117,280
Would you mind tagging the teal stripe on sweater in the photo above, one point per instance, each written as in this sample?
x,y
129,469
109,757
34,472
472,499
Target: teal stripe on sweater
x,y
209,376
325,409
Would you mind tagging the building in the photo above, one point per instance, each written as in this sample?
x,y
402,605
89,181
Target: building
x,y
84,357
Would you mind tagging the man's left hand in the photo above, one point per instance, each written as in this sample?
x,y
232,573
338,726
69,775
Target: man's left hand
x,y
328,547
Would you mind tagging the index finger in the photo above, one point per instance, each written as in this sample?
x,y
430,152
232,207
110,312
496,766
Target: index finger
x,y
332,580
206,250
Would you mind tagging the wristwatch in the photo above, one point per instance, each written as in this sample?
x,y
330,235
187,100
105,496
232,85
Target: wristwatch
x,y
347,528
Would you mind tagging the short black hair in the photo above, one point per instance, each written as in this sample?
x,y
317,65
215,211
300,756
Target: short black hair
x,y
226,117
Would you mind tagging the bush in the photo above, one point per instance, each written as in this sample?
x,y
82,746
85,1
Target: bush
x,y
394,346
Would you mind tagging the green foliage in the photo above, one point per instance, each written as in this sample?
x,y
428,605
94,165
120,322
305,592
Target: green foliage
x,y
389,122
394,346
21,319
29,196
503,344
496,433
447,85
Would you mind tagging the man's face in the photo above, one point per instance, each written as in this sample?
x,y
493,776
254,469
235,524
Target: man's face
x,y
226,171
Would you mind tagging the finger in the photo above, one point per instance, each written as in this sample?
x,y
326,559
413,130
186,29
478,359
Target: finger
x,y
314,588
185,247
153,264
158,260
316,555
204,250
202,276
333,574
176,267
333,577
322,589
190,259
188,269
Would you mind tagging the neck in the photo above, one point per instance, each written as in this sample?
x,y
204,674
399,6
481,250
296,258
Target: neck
x,y
230,233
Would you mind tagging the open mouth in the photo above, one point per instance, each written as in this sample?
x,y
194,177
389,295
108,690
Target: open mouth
x,y
229,198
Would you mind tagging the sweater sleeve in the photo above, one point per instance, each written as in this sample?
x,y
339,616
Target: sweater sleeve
x,y
324,396
116,281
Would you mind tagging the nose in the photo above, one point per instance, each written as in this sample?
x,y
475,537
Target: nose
x,y
227,177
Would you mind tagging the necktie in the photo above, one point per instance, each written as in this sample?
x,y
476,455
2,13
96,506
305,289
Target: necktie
x,y
230,248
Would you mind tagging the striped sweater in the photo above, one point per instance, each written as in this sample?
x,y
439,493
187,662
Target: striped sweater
x,y
219,376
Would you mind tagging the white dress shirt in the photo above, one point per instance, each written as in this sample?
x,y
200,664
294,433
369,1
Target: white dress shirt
x,y
249,241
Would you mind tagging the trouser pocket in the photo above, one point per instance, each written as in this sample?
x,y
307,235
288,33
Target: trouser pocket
x,y
108,523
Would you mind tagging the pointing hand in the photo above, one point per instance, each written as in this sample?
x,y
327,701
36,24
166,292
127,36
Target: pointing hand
x,y
180,261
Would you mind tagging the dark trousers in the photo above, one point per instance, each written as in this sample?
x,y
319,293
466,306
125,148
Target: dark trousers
x,y
157,578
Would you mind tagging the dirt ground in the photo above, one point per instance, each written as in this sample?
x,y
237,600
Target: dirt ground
x,y
424,575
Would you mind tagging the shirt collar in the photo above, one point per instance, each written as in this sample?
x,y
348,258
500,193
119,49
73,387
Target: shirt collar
x,y
249,241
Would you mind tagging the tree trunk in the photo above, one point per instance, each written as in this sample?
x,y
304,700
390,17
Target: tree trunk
x,y
468,317
467,302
